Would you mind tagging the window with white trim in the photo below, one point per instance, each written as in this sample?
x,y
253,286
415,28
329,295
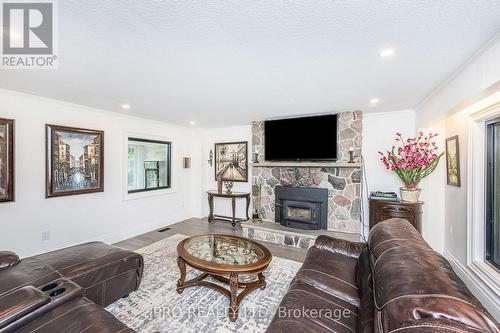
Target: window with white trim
x,y
492,231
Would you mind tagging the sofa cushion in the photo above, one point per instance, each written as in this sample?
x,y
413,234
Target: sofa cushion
x,y
8,259
307,309
19,303
105,272
391,233
332,273
29,272
339,246
79,315
415,286
89,262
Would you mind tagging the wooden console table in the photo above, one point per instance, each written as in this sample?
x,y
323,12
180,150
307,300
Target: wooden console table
x,y
233,196
381,210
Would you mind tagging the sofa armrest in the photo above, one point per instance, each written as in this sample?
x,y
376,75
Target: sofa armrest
x,y
339,246
8,259
19,303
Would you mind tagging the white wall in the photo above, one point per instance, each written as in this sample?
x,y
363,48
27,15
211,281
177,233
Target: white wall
x,y
208,139
473,79
432,226
104,216
442,111
379,131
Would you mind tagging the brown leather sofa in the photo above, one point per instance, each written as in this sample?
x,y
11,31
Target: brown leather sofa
x,y
65,290
394,283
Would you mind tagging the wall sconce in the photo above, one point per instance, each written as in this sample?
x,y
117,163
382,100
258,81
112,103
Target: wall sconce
x,y
210,157
186,162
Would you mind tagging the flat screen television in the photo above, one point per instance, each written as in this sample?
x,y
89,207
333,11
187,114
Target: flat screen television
x,y
301,139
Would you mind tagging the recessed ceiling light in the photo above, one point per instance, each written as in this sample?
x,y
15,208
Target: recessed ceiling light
x,y
374,101
192,123
386,53
126,106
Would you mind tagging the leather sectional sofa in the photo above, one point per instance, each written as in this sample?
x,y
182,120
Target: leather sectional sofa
x,y
394,283
65,290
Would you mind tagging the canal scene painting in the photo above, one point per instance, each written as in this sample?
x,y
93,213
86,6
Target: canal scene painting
x,y
231,161
6,160
75,161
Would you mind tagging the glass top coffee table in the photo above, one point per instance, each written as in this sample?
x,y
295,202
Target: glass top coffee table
x,y
236,261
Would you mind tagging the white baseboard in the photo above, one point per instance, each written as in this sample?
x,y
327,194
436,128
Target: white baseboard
x,y
120,235
486,296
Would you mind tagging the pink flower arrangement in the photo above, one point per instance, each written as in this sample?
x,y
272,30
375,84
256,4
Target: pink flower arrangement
x,y
414,159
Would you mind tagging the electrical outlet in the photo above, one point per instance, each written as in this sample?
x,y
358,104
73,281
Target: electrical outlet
x,y
45,235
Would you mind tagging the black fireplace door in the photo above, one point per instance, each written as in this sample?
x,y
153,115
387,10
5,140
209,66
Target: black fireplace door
x,y
300,214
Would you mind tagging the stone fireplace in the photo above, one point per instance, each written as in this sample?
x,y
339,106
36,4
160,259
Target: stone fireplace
x,y
342,181
301,207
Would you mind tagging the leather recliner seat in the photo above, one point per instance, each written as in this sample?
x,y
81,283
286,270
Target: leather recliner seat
x,y
65,290
393,283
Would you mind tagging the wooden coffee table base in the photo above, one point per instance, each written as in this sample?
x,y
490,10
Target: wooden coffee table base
x,y
234,298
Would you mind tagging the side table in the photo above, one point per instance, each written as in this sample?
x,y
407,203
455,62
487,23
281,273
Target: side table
x,y
381,210
233,196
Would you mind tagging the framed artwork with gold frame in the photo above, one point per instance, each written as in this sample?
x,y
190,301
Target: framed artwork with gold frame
x,y
231,161
453,161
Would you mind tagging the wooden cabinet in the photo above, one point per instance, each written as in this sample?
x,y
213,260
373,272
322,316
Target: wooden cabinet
x,y
381,210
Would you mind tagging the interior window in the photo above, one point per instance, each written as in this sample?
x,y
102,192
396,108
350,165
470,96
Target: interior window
x,y
149,165
493,194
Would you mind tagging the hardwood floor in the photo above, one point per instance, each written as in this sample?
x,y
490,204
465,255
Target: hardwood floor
x,y
195,226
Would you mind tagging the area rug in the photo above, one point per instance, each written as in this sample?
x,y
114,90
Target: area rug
x,y
157,307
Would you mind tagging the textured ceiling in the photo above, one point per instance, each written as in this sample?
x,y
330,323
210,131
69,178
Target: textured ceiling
x,y
229,62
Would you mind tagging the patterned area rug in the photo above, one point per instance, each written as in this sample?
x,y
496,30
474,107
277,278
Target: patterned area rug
x,y
157,307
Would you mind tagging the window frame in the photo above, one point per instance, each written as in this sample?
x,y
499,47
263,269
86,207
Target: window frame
x,y
174,170
483,276
168,167
489,188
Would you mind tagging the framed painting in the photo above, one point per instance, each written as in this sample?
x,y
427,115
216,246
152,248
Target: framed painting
x,y
231,161
75,161
6,160
453,161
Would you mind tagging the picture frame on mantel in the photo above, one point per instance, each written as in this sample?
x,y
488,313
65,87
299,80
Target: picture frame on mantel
x,y
74,161
231,161
6,160
453,161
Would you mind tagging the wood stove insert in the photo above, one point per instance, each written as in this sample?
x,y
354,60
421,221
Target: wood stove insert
x,y
301,207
